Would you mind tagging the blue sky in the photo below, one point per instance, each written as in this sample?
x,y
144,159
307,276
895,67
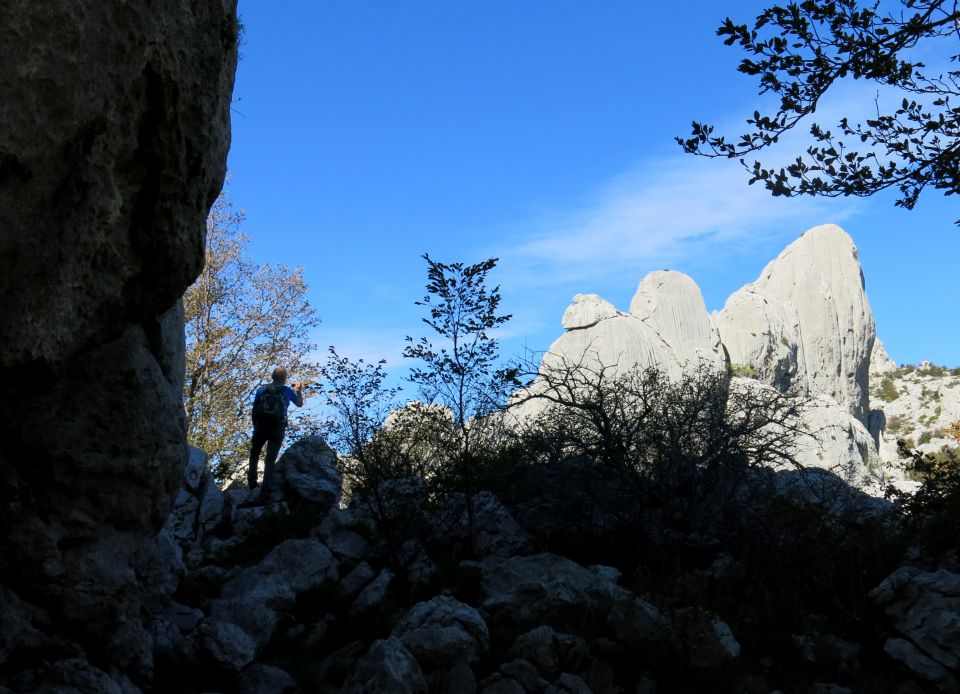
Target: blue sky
x,y
366,133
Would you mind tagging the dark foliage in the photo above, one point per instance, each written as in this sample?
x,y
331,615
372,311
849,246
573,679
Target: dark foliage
x,y
800,50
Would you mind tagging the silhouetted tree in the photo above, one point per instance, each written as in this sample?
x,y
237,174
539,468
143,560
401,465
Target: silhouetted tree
x,y
460,371
801,50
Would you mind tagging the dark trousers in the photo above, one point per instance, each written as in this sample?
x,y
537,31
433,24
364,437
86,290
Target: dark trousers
x,y
270,433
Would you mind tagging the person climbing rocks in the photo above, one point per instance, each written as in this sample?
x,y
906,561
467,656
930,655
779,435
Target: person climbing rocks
x,y
270,404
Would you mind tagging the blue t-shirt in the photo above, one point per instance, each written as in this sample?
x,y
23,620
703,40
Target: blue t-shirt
x,y
289,395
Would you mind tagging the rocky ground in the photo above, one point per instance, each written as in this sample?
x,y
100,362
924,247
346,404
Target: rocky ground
x,y
920,404
309,594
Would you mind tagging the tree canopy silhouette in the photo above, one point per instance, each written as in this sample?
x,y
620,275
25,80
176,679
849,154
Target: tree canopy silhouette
x,y
801,50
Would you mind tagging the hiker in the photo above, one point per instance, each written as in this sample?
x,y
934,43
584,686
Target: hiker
x,y
269,424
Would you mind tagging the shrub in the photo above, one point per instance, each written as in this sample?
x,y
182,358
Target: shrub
x,y
933,370
887,391
926,437
953,431
895,423
933,511
683,445
743,371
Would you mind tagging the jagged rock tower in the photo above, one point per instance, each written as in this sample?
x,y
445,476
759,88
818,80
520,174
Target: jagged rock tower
x,y
805,324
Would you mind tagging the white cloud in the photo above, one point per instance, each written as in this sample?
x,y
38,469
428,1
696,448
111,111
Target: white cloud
x,y
681,207
656,214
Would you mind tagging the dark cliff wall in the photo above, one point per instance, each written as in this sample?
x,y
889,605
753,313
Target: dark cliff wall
x,y
115,130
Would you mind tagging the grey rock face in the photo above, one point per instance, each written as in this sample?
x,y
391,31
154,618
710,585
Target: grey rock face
x,y
374,595
811,298
924,607
298,565
199,508
116,128
705,640
759,333
920,664
587,310
20,622
387,667
805,324
671,304
307,470
495,531
550,652
265,679
226,644
546,589
668,326
880,361
441,632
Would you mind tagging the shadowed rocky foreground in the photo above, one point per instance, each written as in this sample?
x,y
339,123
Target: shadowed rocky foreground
x,y
310,594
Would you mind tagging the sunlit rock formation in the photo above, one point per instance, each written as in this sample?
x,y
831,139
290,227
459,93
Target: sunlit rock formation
x,y
804,325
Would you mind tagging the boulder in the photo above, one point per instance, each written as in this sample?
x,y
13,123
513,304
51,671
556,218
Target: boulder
x,y
498,684
548,651
568,684
265,679
495,532
296,566
71,675
671,304
356,580
836,655
924,607
705,640
635,621
374,595
921,665
256,616
586,311
308,470
546,589
442,632
196,471
227,645
388,667
254,599
525,674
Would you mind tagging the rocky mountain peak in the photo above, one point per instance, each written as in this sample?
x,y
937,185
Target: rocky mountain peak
x,y
817,284
805,324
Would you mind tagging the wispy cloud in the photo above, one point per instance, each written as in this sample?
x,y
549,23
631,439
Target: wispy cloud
x,y
682,208
658,213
